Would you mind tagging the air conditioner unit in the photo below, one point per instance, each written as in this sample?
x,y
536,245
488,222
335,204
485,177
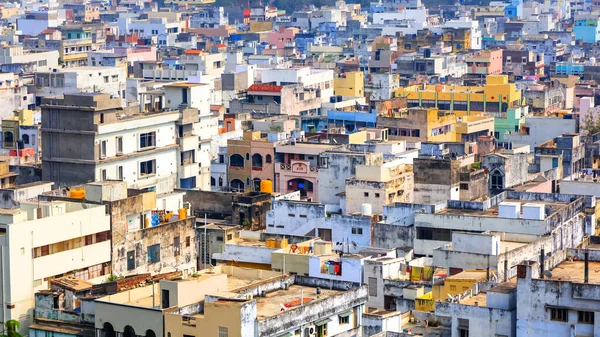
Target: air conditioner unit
x,y
310,331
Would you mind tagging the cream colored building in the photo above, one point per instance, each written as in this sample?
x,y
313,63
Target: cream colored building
x,y
44,240
379,185
233,302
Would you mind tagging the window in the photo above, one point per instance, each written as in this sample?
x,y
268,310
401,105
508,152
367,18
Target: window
x,y
464,186
89,239
321,330
45,250
147,168
497,181
131,260
119,172
154,253
223,332
268,158
344,319
291,215
103,175
357,230
105,79
187,241
147,140
229,237
303,216
508,59
376,195
25,139
115,78
366,194
176,246
559,315
102,236
103,149
220,238
8,137
585,317
452,288
119,145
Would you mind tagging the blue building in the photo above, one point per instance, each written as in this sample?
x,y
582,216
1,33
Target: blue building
x,y
587,30
568,68
515,9
359,117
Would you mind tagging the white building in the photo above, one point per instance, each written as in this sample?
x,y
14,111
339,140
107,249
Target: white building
x,y
195,132
107,80
140,149
563,302
163,28
45,240
40,60
14,95
318,79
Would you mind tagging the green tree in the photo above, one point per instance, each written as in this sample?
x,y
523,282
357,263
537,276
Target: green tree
x,y
591,124
11,329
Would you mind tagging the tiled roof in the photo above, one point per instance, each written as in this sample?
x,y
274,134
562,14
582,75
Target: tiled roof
x,y
265,87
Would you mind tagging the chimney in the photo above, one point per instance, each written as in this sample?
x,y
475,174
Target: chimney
x,y
542,263
585,266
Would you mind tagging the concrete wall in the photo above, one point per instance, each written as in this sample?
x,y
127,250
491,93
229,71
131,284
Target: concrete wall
x,y
295,218
215,204
542,129
483,321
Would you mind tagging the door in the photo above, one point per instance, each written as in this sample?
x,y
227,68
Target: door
x,y
131,260
184,96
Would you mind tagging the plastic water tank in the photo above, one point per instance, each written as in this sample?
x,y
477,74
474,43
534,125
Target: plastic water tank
x,y
366,209
266,186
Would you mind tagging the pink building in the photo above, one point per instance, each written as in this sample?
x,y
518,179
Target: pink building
x,y
299,170
282,37
485,62
138,53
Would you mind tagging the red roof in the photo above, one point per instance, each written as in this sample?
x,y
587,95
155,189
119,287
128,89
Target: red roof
x,y
265,87
221,45
48,31
193,52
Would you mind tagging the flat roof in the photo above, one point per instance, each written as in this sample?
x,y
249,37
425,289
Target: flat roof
x,y
184,84
272,303
504,288
479,298
493,211
306,148
572,271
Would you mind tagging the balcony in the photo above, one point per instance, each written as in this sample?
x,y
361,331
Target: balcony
x,y
76,42
72,259
188,142
297,166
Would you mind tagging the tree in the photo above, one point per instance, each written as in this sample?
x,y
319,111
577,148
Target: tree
x,y
591,124
11,329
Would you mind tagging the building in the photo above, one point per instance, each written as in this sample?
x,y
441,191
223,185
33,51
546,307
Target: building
x,y
320,80
94,147
19,133
485,62
298,169
520,62
64,81
568,146
32,60
502,214
77,40
472,312
541,309
350,84
14,95
64,238
251,160
290,99
539,129
148,233
379,186
419,124
587,30
497,95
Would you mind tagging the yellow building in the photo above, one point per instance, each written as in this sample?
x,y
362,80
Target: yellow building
x,y
8,12
349,84
495,97
11,129
425,303
420,124
457,284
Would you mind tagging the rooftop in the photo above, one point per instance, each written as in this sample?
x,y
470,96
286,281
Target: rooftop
x,y
572,271
493,211
272,303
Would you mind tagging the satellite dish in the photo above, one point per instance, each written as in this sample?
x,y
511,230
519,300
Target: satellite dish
x,y
547,273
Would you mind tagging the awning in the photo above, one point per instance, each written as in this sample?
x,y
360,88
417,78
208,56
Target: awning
x,y
346,313
323,321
